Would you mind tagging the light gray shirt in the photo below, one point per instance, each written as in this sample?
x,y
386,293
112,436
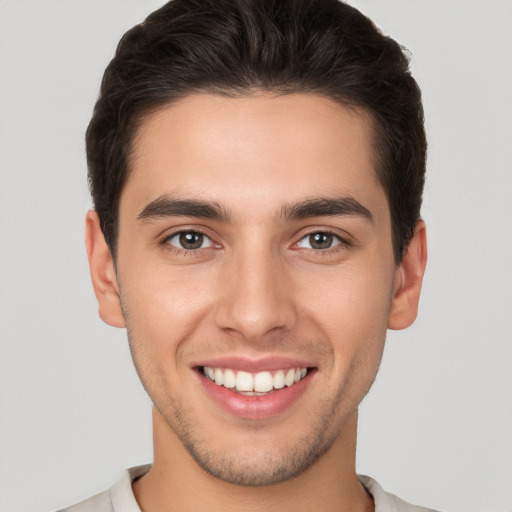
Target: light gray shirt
x,y
120,498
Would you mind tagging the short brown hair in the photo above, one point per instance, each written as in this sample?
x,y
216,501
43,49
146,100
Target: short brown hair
x,y
234,47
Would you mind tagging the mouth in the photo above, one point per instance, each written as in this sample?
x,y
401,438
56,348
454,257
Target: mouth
x,y
257,394
255,384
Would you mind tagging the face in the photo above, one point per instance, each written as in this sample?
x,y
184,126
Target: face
x,y
256,276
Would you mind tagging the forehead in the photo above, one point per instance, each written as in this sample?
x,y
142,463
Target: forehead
x,y
259,150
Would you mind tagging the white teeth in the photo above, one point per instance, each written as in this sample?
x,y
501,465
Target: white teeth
x,y
279,379
290,377
229,379
219,376
263,382
258,383
244,382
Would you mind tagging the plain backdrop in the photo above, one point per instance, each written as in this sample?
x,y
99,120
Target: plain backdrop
x,y
436,427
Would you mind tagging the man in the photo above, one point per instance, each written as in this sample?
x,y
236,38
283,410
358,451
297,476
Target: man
x,y
257,170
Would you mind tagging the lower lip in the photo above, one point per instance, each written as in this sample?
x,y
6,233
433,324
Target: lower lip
x,y
255,407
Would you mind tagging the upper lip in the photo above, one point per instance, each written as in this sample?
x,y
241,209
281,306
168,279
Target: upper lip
x,y
253,365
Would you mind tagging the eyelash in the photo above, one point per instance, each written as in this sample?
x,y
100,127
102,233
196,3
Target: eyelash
x,y
342,244
187,252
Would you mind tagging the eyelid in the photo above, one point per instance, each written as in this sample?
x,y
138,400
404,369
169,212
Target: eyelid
x,y
342,241
206,239
170,234
337,240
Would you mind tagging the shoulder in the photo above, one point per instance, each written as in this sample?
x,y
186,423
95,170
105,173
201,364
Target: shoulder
x,y
100,503
387,502
119,497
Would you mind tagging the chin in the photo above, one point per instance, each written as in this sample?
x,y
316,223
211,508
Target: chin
x,y
256,468
258,457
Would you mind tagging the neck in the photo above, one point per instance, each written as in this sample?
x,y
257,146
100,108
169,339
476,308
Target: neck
x,y
176,482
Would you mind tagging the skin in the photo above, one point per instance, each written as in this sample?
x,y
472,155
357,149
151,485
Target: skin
x,y
255,289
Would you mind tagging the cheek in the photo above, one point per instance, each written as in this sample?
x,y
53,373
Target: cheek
x,y
164,303
162,309
352,311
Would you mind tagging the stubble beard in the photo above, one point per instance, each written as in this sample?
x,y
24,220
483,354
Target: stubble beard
x,y
253,468
250,469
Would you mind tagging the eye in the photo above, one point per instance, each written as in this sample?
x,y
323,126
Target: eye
x,y
189,240
321,240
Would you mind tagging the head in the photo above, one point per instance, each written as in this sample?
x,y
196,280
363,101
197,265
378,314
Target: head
x,y
257,170
241,48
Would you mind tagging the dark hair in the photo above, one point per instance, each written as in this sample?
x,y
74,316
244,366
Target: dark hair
x,y
237,47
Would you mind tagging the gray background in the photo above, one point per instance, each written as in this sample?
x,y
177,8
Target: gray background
x,y
436,427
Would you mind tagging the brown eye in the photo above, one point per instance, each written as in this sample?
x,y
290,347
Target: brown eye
x,y
189,240
321,240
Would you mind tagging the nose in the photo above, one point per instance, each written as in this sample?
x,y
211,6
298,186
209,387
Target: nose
x,y
256,295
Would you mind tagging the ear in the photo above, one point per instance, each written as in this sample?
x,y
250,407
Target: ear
x,y
408,279
103,274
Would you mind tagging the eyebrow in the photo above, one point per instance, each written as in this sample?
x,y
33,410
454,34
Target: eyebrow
x,y
168,206
321,207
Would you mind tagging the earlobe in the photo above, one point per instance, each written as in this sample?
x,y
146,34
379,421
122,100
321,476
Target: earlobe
x,y
103,275
408,280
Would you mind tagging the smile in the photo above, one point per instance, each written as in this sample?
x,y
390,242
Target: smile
x,y
255,390
254,384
